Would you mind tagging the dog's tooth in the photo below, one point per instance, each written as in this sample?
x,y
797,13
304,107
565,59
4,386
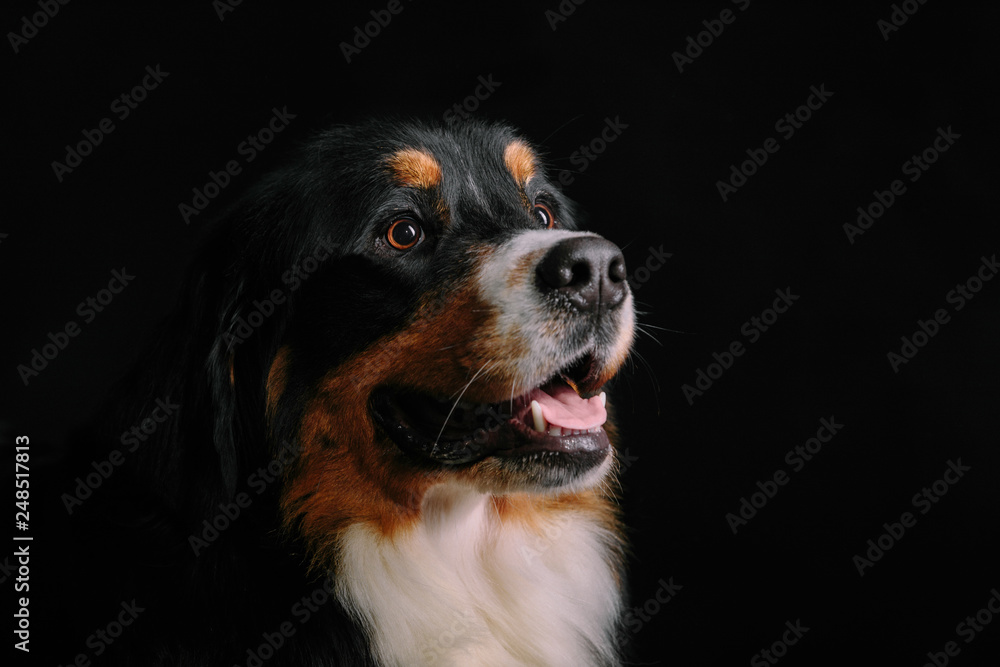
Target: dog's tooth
x,y
536,414
604,399
555,430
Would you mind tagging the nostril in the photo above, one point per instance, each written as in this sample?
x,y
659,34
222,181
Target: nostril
x,y
556,275
581,273
561,270
616,270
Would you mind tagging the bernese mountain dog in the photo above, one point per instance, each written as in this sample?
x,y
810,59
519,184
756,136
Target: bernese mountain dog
x,y
388,439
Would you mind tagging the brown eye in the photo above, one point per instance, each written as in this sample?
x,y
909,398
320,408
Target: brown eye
x,y
403,234
544,216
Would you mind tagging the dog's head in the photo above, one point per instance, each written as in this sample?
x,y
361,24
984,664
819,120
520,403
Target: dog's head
x,y
418,307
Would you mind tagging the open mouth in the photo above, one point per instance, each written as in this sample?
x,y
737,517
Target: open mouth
x,y
560,417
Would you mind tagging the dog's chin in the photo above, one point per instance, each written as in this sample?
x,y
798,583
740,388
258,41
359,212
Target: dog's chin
x,y
502,446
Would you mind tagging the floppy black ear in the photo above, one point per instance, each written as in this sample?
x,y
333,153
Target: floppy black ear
x,y
206,366
218,345
242,340
234,367
200,356
220,367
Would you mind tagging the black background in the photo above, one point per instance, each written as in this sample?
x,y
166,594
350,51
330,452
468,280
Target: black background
x,y
654,186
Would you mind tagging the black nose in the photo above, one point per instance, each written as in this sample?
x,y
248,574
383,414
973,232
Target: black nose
x,y
588,270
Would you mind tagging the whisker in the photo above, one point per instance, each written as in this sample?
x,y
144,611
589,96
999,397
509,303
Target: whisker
x,y
636,356
627,244
649,369
641,328
653,326
561,127
513,381
639,321
457,400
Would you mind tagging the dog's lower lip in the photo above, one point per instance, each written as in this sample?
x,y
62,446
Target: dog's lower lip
x,y
533,441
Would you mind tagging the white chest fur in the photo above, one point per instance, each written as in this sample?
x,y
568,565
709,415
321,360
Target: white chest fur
x,y
463,588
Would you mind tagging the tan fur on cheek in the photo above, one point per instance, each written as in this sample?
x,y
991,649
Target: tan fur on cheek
x,y
344,477
347,473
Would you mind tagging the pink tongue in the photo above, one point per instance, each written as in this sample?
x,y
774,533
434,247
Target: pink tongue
x,y
563,407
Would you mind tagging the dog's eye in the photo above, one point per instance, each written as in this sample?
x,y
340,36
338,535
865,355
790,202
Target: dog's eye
x,y
544,216
404,233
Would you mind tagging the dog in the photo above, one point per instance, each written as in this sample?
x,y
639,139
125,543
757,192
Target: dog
x,y
391,443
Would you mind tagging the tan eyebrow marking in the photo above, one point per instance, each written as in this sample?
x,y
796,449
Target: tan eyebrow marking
x,y
415,168
520,161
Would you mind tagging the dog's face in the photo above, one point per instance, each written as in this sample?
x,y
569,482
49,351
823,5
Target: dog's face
x,y
459,332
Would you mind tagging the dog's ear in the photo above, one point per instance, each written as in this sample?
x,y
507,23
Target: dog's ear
x,y
243,340
220,367
201,322
207,343
230,339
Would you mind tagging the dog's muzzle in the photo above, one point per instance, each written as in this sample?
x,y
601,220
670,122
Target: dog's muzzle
x,y
556,323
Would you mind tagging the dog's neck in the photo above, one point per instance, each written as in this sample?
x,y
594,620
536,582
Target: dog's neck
x,y
482,580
